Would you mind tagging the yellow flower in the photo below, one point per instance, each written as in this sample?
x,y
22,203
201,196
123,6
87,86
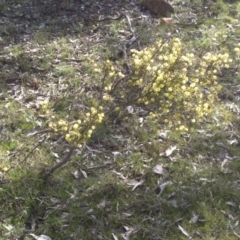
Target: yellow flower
x,y
93,110
148,68
121,75
65,129
137,61
183,128
157,90
90,131
61,122
165,65
160,57
154,68
68,137
193,85
75,126
237,50
111,74
4,168
205,105
97,70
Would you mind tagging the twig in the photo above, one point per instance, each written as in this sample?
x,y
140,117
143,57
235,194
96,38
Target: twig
x,y
47,174
106,18
39,132
132,39
129,24
29,154
72,60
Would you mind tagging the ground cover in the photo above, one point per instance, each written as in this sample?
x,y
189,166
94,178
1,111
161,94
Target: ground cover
x,y
133,178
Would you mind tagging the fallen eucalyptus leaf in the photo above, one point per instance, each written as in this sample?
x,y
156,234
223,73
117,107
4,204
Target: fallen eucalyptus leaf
x,y
163,186
169,151
130,109
184,231
129,231
114,236
138,184
194,219
233,204
41,237
173,202
8,227
84,173
102,204
75,174
158,169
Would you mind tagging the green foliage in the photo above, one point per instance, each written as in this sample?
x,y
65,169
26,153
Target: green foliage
x,y
65,71
41,37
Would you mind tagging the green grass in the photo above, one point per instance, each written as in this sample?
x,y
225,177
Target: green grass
x,y
109,189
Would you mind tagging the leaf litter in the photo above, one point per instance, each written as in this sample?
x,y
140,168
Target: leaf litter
x,y
172,176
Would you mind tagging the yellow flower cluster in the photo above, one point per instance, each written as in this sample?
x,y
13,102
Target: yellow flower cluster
x,y
237,49
107,97
44,104
79,131
110,69
182,128
4,160
175,83
176,86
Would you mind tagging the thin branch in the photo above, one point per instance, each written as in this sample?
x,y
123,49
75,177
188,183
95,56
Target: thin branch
x,y
66,159
29,154
133,38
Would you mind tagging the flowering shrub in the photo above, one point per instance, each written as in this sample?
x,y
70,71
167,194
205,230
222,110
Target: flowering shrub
x,y
174,86
79,131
